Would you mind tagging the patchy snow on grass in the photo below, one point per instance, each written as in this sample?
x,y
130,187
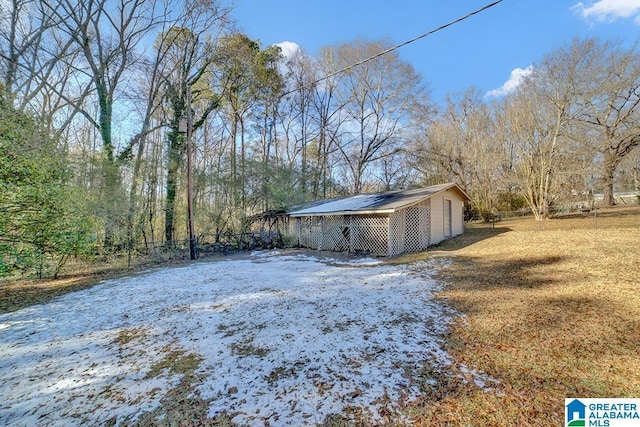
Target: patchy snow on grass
x,y
288,339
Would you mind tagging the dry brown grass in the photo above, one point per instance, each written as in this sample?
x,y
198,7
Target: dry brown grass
x,y
551,310
78,274
24,293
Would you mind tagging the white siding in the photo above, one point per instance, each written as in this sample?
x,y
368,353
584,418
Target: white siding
x,y
437,216
437,219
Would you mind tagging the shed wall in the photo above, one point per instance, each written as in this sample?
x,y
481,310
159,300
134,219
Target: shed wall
x,y
352,233
438,216
410,229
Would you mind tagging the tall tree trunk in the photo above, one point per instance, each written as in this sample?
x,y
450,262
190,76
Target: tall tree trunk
x,y
617,150
243,182
234,167
607,180
174,158
110,168
131,210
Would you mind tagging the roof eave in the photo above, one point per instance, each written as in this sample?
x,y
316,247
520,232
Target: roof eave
x,y
457,187
349,213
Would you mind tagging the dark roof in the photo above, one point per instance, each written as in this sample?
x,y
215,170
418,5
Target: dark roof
x,y
377,203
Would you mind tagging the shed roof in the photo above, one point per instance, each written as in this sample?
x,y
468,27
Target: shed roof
x,y
377,203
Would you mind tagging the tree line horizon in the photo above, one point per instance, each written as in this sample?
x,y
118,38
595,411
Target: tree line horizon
x,y
92,154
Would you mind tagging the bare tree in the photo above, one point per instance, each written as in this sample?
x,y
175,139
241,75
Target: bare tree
x,y
461,146
611,99
297,105
535,125
533,144
327,107
37,63
108,34
26,55
375,98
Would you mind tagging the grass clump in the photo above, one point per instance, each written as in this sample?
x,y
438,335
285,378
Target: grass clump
x,y
175,362
181,405
247,349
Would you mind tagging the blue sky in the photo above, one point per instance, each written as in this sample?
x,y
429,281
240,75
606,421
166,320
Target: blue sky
x,y
481,51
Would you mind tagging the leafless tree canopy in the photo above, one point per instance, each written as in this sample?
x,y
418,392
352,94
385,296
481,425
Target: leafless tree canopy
x,y
108,80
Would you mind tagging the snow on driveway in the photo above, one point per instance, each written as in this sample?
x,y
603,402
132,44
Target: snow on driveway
x,y
283,338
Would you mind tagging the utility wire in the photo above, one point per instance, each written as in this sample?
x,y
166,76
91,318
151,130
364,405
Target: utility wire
x,y
391,49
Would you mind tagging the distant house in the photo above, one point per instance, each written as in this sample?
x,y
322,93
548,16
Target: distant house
x,y
384,224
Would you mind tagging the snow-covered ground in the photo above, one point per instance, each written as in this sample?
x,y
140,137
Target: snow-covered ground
x,y
284,338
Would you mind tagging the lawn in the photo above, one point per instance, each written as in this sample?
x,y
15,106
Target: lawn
x,y
551,310
543,311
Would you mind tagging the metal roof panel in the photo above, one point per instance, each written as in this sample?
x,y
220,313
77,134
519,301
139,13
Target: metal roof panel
x,y
376,203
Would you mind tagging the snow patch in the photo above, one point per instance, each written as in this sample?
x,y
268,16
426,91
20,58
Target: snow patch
x,y
286,338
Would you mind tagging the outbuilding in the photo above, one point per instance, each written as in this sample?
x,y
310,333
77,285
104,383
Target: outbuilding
x,y
383,224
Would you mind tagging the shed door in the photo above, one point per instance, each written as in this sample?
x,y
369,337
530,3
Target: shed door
x,y
447,218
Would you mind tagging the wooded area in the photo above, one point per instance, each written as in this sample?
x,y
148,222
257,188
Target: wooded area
x,y
93,158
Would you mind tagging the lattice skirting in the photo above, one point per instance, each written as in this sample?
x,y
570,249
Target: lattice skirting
x,y
407,230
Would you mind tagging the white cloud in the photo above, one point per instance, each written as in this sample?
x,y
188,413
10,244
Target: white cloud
x,y
515,79
609,10
289,49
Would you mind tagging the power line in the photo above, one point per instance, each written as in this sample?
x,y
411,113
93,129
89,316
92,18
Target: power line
x,y
391,49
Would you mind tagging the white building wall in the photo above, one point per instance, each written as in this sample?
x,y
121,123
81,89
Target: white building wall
x,y
437,219
437,216
457,215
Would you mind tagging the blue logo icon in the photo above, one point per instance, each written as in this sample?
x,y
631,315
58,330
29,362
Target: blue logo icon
x,y
576,416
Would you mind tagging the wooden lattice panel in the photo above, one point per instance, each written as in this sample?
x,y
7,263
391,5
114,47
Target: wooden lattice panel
x,y
293,231
396,233
407,230
412,229
369,234
310,232
417,228
425,225
335,233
